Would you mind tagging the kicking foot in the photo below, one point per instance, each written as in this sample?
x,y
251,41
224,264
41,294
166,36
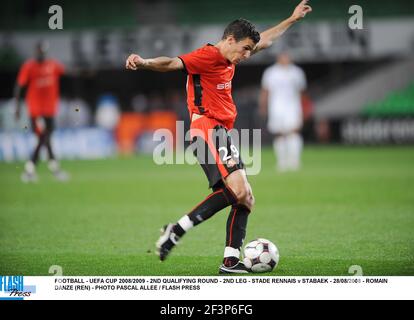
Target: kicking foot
x,y
239,267
166,242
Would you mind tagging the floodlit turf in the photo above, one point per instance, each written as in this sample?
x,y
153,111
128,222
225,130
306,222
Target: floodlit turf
x,y
348,206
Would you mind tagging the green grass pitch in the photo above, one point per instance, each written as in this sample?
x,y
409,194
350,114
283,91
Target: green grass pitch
x,y
347,206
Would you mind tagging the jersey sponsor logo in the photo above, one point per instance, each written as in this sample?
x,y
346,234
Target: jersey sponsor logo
x,y
222,86
46,81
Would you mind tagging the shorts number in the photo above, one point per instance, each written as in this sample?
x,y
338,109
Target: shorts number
x,y
226,155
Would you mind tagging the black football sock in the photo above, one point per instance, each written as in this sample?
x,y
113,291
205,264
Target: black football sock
x,y
35,156
49,147
219,199
235,231
178,230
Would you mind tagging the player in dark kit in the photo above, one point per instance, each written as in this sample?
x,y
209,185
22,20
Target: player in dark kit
x,y
210,70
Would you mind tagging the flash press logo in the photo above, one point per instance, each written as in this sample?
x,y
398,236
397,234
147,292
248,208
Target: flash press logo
x,y
12,288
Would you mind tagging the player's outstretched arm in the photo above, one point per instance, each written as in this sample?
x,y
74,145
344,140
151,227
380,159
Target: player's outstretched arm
x,y
268,36
160,64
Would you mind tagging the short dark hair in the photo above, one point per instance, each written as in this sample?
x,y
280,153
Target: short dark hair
x,y
241,29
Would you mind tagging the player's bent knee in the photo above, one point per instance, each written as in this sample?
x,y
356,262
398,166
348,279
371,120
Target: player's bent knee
x,y
252,201
242,195
239,191
246,198
249,202
239,186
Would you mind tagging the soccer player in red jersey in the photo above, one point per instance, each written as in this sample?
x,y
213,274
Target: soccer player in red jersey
x,y
41,77
210,70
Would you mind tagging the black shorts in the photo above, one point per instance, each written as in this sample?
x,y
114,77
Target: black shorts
x,y
214,149
49,124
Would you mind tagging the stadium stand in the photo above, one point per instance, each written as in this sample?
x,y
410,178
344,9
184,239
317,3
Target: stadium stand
x,y
32,14
218,11
397,103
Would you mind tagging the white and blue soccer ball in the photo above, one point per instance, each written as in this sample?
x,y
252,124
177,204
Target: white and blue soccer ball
x,y
261,255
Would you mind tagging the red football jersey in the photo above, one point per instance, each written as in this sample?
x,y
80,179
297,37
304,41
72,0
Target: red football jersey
x,y
42,80
209,84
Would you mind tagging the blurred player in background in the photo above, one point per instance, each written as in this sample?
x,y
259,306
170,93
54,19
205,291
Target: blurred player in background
x,y
280,99
210,70
40,76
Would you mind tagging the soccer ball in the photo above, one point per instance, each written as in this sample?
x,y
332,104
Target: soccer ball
x,y
261,255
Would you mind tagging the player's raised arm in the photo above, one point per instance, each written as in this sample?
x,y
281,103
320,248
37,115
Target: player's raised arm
x,y
268,36
160,64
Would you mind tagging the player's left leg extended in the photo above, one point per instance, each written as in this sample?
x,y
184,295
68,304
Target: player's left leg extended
x,y
220,198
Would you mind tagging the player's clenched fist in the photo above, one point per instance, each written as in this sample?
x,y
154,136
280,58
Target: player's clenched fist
x,y
301,10
134,61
